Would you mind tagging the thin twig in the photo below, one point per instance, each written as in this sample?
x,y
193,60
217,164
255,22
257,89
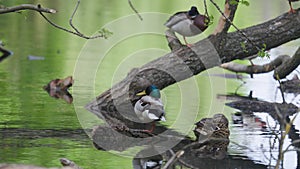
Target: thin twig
x,y
295,141
70,31
26,7
281,90
231,23
294,149
205,7
135,11
173,158
280,117
71,18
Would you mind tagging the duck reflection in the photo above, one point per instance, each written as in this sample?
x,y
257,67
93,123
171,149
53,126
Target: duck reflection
x,y
142,161
58,88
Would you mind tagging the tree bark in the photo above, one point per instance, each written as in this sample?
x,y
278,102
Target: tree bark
x,y
115,104
26,7
283,70
283,65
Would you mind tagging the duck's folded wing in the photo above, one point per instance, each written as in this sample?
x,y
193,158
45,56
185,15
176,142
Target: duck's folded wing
x,y
178,17
156,113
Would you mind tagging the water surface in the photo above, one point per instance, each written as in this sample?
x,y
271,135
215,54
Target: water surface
x,y
37,129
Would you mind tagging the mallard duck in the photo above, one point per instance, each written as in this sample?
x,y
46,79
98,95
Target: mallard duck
x,y
212,137
58,88
149,108
211,128
291,8
188,23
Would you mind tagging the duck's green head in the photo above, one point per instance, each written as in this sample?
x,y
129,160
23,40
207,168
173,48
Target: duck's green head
x,y
152,91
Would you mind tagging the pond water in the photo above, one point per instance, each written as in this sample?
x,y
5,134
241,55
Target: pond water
x,y
38,129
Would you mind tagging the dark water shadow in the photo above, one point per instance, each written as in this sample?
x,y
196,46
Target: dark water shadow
x,y
20,137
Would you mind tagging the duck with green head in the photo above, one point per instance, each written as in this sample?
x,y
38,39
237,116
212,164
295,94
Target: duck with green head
x,y
149,108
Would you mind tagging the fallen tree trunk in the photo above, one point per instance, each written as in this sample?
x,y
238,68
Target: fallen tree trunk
x,y
115,104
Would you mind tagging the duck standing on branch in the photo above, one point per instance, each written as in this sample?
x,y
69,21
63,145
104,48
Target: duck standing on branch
x,y
149,108
188,23
291,8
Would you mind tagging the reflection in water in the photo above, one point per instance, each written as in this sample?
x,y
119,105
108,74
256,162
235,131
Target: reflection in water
x,y
209,150
152,162
232,161
237,118
22,106
271,127
58,88
5,52
11,137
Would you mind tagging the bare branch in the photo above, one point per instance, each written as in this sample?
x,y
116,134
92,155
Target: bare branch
x,y
71,18
38,8
284,69
222,21
256,69
173,159
26,7
133,8
173,42
283,64
76,32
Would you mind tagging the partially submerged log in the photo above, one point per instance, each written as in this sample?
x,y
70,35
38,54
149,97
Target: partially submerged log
x,y
263,106
209,143
115,105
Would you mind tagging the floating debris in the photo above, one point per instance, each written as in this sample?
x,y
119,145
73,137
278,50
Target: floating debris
x,y
30,57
